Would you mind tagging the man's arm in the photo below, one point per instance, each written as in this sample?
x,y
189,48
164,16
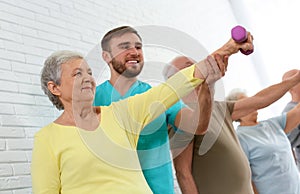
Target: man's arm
x,y
211,69
222,54
263,98
183,167
195,119
232,46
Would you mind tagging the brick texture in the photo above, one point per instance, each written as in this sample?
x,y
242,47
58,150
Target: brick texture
x,y
31,29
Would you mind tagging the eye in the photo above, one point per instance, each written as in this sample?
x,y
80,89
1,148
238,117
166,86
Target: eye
x,y
90,73
138,47
125,47
77,74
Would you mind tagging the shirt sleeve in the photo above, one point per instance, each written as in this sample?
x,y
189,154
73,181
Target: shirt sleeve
x,y
279,120
44,168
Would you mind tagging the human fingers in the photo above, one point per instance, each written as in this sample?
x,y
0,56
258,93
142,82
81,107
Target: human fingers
x,y
225,59
247,46
209,68
214,70
221,64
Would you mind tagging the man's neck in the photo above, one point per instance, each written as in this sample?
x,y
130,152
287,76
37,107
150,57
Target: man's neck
x,y
122,84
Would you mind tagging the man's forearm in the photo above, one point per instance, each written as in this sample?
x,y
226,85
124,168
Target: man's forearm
x,y
187,184
221,56
195,119
204,108
232,47
183,166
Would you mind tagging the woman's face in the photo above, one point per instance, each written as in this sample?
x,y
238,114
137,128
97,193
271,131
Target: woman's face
x,y
77,83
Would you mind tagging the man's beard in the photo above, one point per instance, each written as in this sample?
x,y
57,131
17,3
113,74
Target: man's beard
x,y
122,70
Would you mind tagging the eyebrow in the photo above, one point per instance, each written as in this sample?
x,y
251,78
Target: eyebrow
x,y
128,43
80,69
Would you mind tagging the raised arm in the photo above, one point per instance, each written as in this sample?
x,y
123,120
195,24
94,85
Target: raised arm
x,y
264,98
182,83
205,96
231,47
195,119
211,69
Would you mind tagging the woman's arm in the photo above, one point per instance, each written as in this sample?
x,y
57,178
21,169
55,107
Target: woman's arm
x,y
264,98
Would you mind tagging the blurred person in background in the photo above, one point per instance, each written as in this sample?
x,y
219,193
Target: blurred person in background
x,y
294,135
268,149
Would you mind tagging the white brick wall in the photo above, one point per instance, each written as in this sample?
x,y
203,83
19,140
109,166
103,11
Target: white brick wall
x,y
31,29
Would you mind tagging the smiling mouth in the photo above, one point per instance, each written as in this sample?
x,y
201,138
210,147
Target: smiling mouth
x,y
132,63
86,88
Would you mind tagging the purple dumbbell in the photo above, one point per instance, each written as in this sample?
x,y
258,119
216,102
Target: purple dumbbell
x,y
239,34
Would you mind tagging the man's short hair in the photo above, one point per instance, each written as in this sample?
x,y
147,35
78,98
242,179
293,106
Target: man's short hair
x,y
116,32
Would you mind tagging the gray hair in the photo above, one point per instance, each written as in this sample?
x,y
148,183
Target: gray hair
x,y
169,70
52,72
176,65
235,93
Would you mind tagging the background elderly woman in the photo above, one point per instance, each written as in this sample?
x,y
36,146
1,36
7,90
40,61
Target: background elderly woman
x,y
268,149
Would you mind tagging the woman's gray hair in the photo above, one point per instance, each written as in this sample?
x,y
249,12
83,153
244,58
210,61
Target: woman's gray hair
x,y
52,72
235,93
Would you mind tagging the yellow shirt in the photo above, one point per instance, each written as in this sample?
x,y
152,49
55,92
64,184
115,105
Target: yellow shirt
x,y
70,160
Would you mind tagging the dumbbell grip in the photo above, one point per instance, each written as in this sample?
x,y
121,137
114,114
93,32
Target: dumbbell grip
x,y
239,35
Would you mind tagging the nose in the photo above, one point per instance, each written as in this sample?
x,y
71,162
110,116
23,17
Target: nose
x,y
89,79
134,51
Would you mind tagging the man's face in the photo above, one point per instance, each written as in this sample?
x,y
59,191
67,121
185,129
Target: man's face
x,y
127,55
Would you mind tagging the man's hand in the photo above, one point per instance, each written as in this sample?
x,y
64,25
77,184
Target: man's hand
x,y
211,70
214,67
295,76
232,47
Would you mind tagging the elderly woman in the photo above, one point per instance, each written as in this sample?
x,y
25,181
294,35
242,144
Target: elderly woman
x,y
268,150
92,150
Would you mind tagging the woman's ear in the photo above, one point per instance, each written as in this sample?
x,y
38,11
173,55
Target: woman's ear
x,y
53,88
106,57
